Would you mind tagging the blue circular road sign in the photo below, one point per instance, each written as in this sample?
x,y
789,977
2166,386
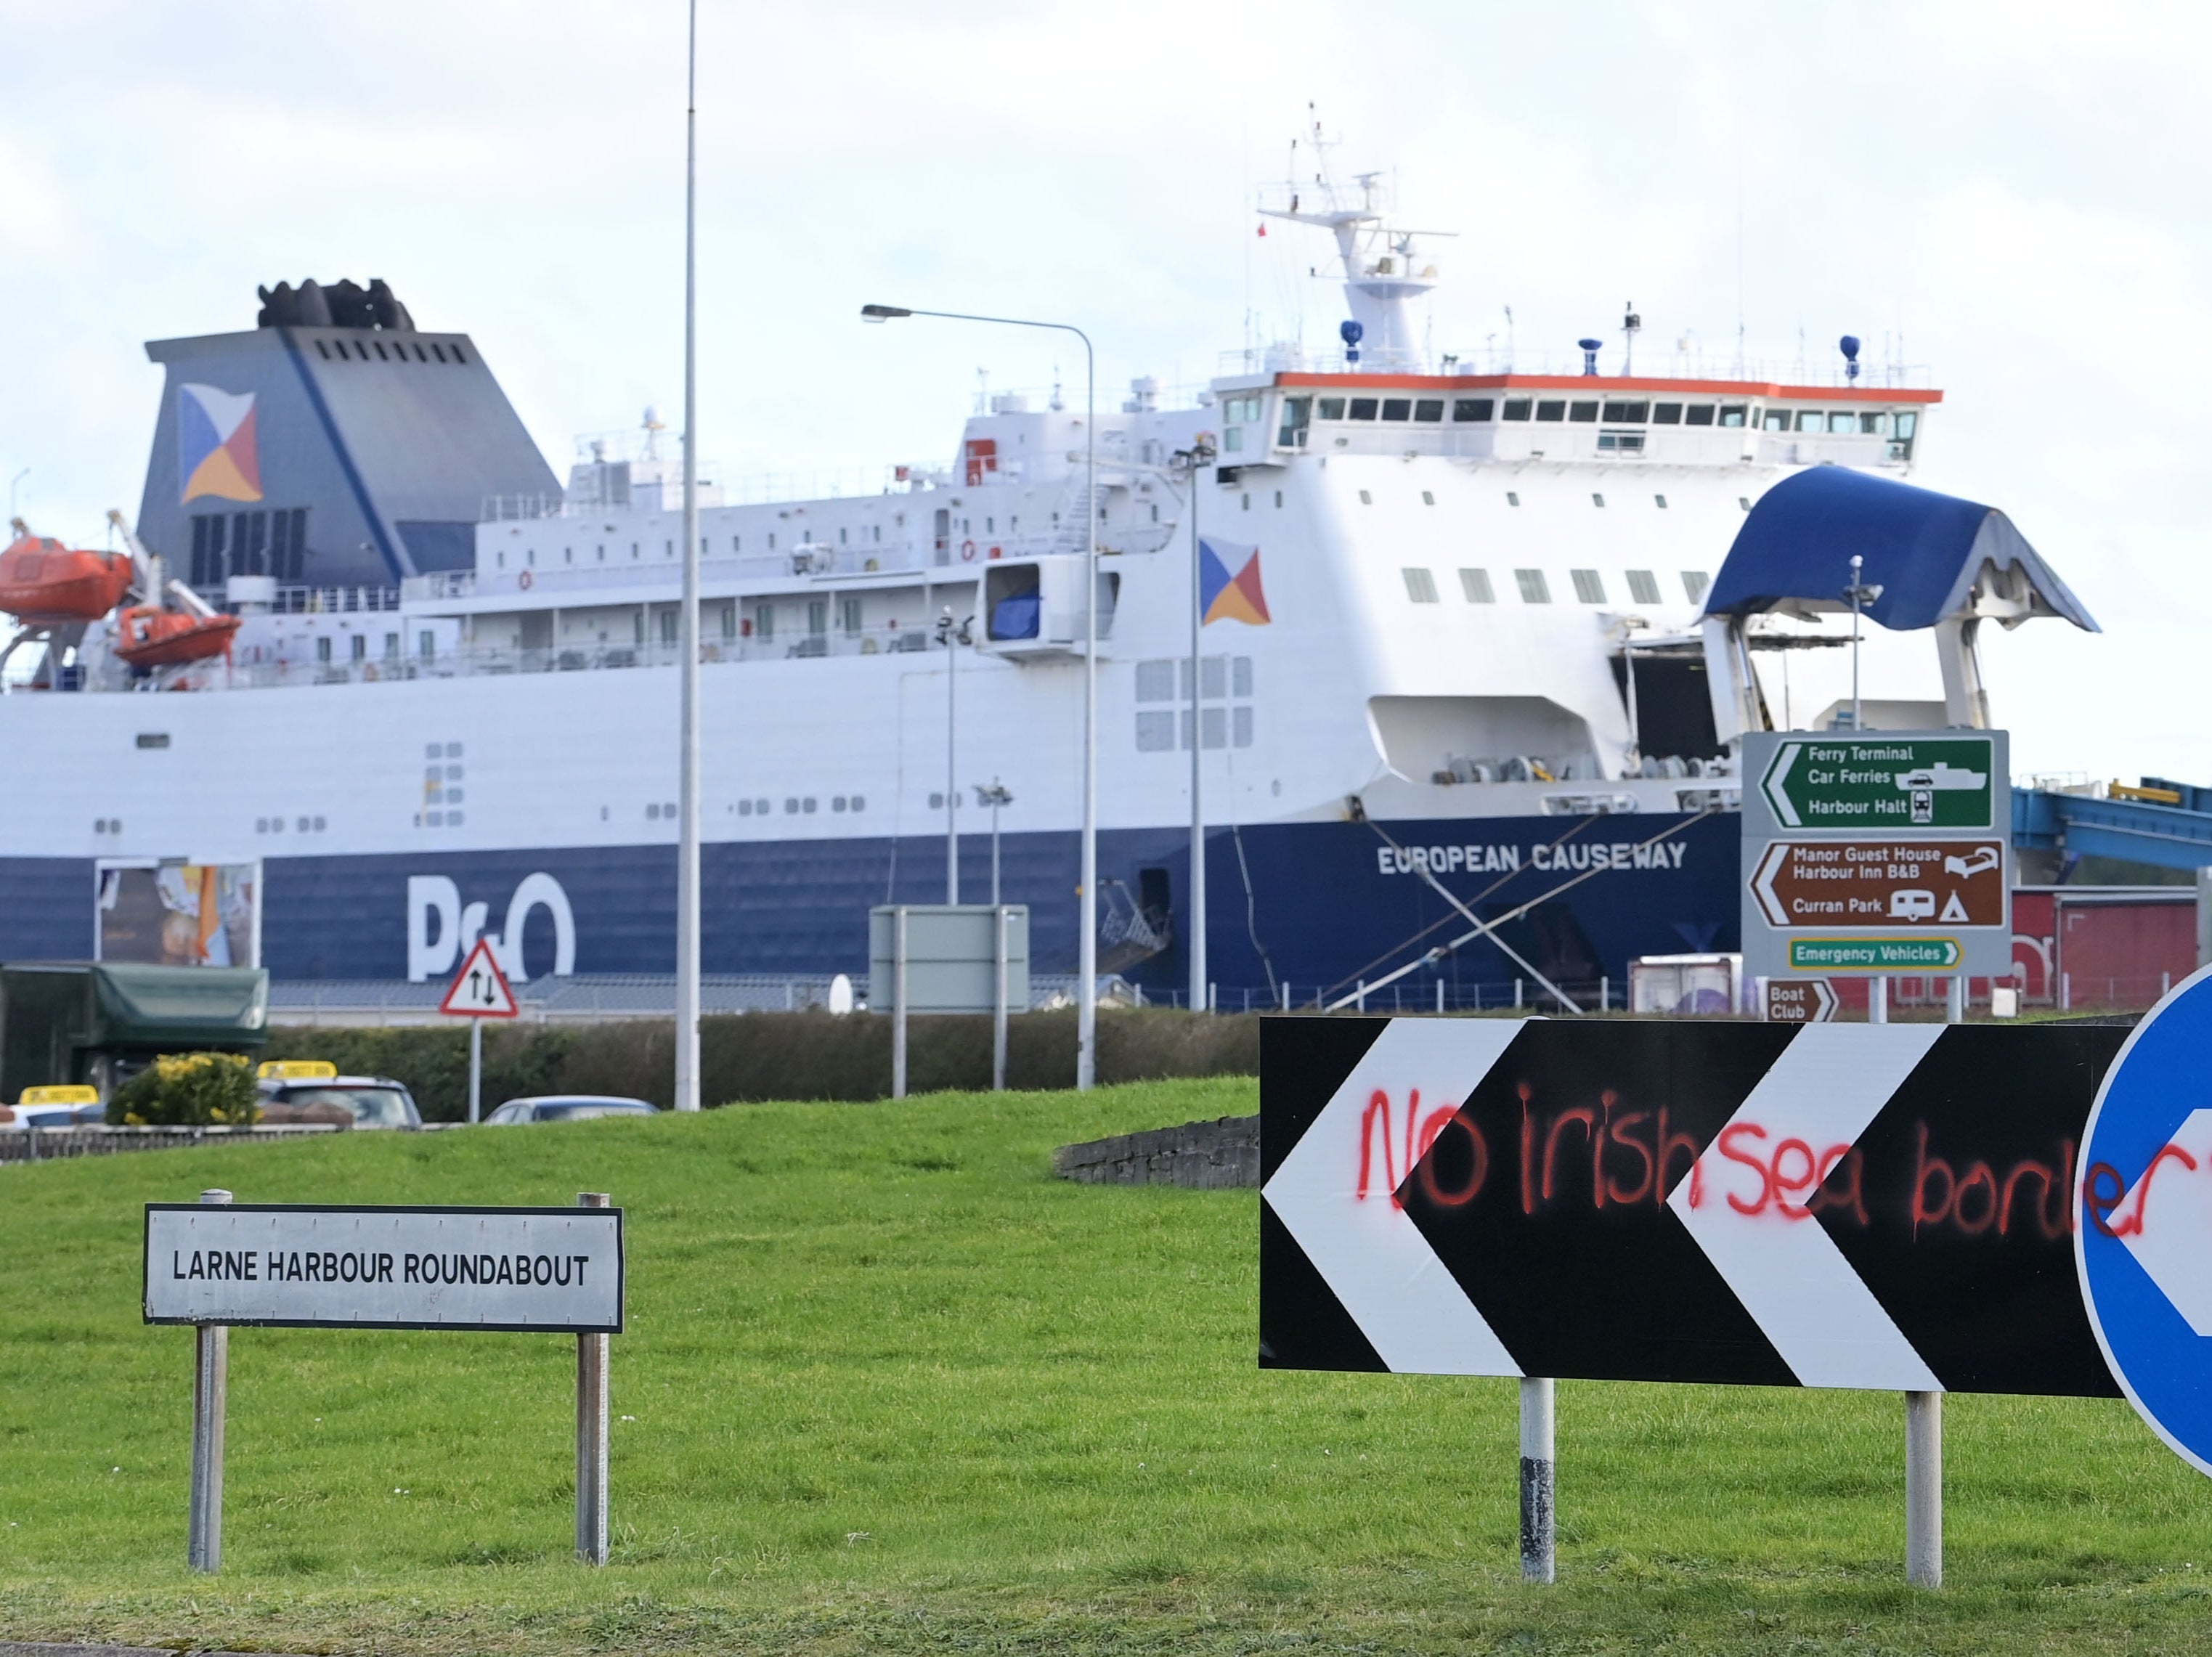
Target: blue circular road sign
x,y
2142,1218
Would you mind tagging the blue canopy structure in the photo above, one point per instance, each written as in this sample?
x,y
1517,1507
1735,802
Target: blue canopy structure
x,y
1926,551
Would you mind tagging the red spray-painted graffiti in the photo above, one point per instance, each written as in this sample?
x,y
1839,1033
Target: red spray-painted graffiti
x,y
1601,1157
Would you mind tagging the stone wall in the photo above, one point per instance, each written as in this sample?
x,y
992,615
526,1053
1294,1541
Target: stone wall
x,y
1217,1155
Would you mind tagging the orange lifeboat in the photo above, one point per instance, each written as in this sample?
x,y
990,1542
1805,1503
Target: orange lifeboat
x,y
147,637
45,584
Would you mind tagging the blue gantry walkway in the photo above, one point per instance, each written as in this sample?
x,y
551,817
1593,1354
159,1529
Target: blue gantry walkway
x,y
2142,826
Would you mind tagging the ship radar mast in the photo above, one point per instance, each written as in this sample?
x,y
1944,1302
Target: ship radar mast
x,y
1384,271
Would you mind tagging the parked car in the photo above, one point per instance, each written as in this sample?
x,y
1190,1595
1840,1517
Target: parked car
x,y
52,1107
568,1107
298,1092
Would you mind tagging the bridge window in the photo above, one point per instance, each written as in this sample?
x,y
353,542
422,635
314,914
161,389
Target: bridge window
x,y
1363,408
1666,414
1628,414
1516,408
1420,586
1466,408
1695,584
1584,412
1731,415
1697,414
1644,586
1535,589
1812,420
1589,585
1429,409
1474,586
1397,408
1329,408
1550,411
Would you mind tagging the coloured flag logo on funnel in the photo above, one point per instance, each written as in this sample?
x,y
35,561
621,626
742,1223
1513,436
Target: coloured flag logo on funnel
x,y
1226,598
216,453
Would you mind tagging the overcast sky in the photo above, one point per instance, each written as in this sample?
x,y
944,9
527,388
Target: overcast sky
x,y
2017,192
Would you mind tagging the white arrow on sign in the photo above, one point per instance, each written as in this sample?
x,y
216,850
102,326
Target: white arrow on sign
x,y
1762,883
1819,990
480,989
1366,1249
2165,1220
1817,1097
1776,774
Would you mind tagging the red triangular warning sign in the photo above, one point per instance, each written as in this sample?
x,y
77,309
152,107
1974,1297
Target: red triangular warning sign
x,y
480,990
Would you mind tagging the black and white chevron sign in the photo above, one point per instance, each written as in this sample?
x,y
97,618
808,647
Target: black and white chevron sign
x,y
1869,1206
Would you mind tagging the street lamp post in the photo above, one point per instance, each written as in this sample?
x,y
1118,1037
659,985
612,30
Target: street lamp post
x,y
1086,1014
996,795
1191,461
1860,594
687,842
954,639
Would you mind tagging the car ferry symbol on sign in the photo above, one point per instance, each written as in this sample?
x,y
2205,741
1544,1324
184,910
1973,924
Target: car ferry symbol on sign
x,y
480,989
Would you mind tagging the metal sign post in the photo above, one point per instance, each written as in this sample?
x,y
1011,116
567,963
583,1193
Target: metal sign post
x,y
1537,1539
1924,1490
216,1263
898,1003
210,1399
591,1430
479,990
998,996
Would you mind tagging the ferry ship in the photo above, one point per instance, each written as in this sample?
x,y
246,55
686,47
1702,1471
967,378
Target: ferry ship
x,y
1475,652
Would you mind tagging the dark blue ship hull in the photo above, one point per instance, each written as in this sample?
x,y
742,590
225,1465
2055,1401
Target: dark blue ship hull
x,y
1319,906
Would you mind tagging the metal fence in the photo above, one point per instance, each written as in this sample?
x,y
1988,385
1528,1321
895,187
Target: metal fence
x,y
603,999
43,1144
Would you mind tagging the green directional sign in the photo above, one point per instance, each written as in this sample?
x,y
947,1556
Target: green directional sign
x,y
1873,955
1903,781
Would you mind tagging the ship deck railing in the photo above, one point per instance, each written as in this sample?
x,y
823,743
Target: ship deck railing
x,y
925,557
1720,367
595,656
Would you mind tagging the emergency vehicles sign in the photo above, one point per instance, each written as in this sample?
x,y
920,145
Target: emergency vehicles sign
x,y
2143,1220
557,1270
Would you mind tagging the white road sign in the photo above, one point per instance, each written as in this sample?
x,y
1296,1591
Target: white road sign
x,y
548,1269
480,989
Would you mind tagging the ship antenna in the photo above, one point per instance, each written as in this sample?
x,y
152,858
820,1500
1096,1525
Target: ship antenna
x,y
1631,325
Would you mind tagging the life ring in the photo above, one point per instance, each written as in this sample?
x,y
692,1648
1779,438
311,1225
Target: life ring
x,y
523,581
967,552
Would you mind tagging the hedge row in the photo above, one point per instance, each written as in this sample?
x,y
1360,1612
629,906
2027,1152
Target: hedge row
x,y
795,1055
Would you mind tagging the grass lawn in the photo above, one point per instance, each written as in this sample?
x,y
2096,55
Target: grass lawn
x,y
889,1386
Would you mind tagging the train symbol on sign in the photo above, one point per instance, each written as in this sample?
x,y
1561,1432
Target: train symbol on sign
x,y
1923,784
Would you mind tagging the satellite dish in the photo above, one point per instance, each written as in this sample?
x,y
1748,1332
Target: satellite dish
x,y
841,994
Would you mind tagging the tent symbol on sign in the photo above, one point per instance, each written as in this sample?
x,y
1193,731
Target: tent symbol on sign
x,y
1953,909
